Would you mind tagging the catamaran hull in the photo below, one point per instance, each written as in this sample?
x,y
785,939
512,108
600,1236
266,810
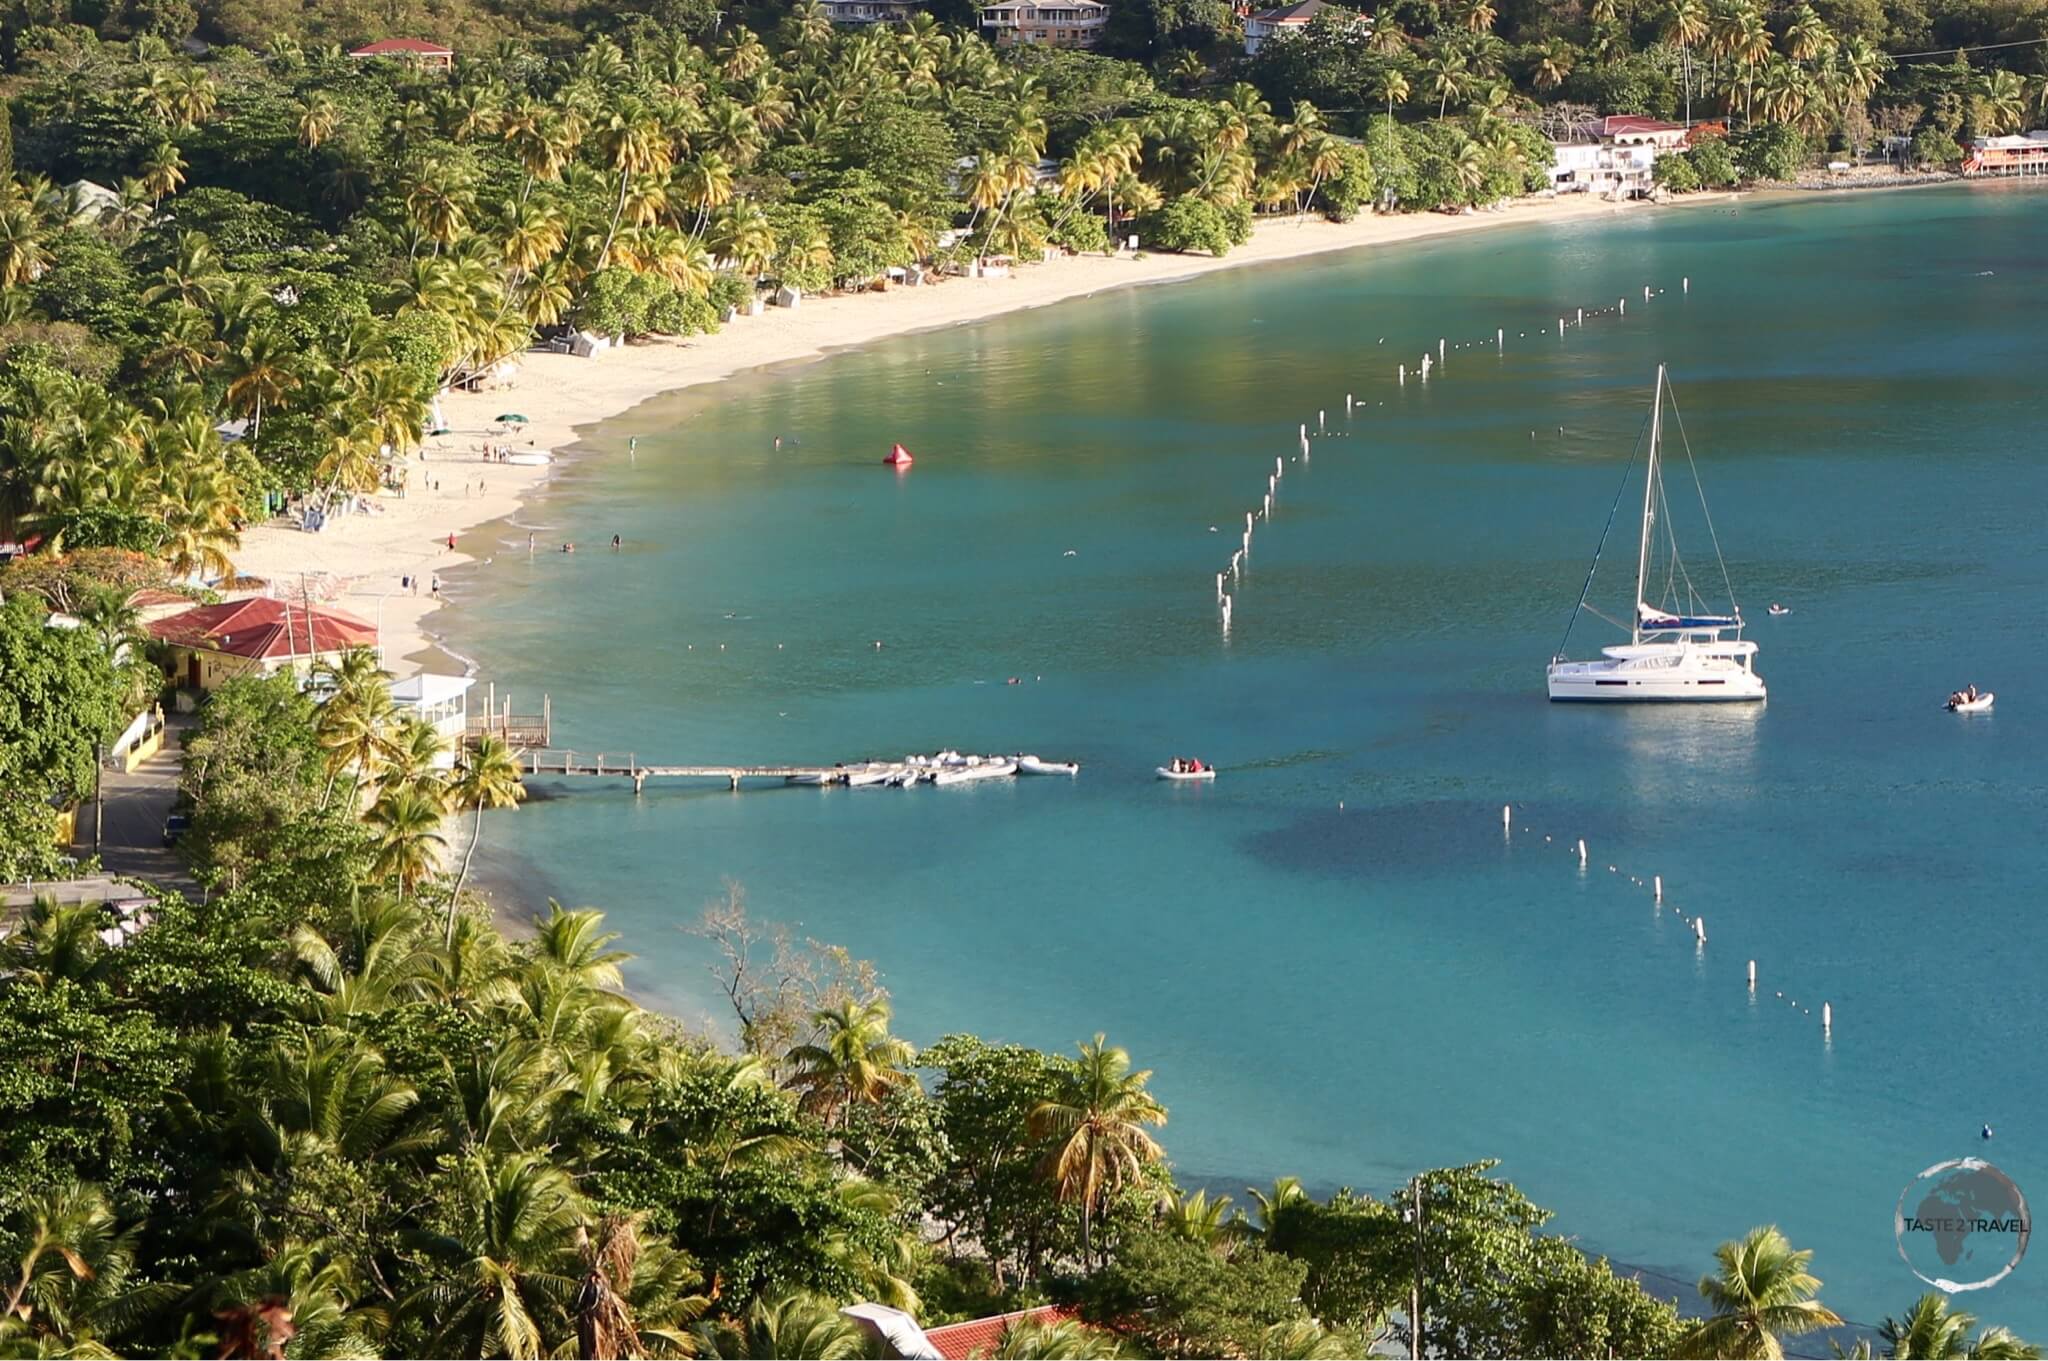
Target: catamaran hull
x,y
1598,685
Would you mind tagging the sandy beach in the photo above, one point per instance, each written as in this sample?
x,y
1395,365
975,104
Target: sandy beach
x,y
359,561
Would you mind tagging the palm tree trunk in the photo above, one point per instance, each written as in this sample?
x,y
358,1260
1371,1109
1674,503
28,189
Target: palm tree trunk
x,y
476,835
618,211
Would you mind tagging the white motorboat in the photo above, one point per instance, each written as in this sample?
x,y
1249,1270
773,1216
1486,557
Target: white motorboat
x,y
1031,765
1676,652
1169,773
817,778
1960,703
861,777
987,770
1778,611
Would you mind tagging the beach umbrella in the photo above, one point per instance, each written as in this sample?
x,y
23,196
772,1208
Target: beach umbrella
x,y
511,418
440,430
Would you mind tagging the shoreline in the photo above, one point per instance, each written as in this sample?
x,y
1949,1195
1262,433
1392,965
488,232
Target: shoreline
x,y
357,563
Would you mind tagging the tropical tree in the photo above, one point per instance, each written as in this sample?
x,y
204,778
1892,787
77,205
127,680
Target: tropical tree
x,y
1761,1293
853,1060
509,1266
406,822
489,777
1935,1330
1097,1125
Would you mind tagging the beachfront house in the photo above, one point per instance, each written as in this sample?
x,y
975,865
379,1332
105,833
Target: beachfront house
x,y
2020,154
1029,23
897,1334
213,644
1614,155
1265,25
440,702
433,56
859,13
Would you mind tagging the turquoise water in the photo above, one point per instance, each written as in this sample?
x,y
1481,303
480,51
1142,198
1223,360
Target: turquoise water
x,y
1335,961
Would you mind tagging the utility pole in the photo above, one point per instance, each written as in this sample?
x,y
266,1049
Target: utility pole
x,y
99,798
1415,1294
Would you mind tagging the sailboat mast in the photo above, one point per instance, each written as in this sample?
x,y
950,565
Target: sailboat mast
x,y
1649,492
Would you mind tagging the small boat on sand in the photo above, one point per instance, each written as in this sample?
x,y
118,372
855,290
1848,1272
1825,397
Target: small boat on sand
x,y
1971,701
531,459
1187,770
1031,765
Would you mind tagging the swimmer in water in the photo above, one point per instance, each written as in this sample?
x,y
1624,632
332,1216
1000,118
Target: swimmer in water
x,y
615,543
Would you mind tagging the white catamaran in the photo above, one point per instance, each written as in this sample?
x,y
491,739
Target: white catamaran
x,y
1676,652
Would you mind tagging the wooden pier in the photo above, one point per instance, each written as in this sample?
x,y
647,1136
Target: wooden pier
x,y
615,766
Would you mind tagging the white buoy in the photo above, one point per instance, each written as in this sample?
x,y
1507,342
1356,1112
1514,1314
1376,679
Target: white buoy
x,y
1685,285
1507,815
1560,328
1582,316
1752,975
1582,852
1219,585
1439,347
1404,375
1657,887
1621,306
1226,614
1319,422
1269,505
1347,403
1500,338
1247,522
1279,468
1827,1016
1646,292
1699,929
1303,432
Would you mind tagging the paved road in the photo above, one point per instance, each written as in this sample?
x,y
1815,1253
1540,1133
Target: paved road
x,y
132,837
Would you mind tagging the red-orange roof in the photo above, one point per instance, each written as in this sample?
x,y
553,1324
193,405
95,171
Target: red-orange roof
x,y
1617,123
259,628
978,1337
402,47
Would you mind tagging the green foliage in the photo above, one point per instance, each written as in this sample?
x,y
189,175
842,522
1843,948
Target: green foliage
x,y
1677,173
1175,1298
1933,147
1352,187
62,698
1188,223
1714,162
1770,152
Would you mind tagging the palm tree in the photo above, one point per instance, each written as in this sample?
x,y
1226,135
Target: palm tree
x,y
1934,1330
1685,24
1447,70
633,142
1285,1198
1554,61
854,1060
54,943
1197,1218
23,255
1098,1121
1061,1340
163,170
407,823
317,121
1307,1340
68,1237
2002,96
490,777
1761,1293
261,372
792,1328
1807,35
1393,87
510,1264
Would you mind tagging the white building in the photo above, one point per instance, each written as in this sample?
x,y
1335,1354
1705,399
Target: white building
x,y
442,703
1067,23
1615,155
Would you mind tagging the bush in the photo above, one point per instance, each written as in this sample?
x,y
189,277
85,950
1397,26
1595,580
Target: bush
x,y
1083,233
1676,173
1352,187
1189,223
1770,151
1932,146
729,290
1714,162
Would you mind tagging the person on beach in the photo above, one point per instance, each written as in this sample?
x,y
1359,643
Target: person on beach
x,y
529,543
436,589
451,538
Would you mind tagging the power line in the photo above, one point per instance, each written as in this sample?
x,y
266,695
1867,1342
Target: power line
x,y
1981,47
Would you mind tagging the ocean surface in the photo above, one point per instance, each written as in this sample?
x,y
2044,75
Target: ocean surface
x,y
1334,959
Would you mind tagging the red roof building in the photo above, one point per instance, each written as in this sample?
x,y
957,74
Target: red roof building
x,y
408,49
978,1337
257,636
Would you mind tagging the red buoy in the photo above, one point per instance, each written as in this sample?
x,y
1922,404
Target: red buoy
x,y
899,457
